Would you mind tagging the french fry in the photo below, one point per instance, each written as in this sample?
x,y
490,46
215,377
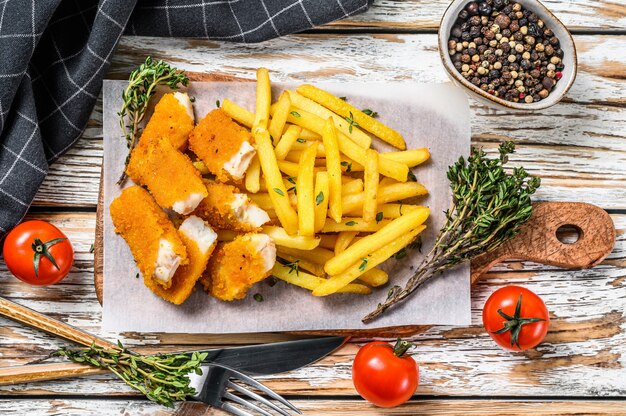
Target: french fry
x,y
358,268
198,164
356,134
333,167
238,113
344,239
317,255
374,277
367,245
353,203
370,186
274,182
352,186
321,199
291,168
411,158
328,241
253,176
286,141
309,266
390,168
263,100
354,224
305,187
262,200
350,112
279,116
310,282
395,210
308,134
281,238
301,145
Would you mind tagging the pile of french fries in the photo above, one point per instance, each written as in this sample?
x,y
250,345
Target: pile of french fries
x,y
338,202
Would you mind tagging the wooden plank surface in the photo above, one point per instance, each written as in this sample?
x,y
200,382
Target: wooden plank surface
x,y
115,407
580,159
577,15
578,147
584,353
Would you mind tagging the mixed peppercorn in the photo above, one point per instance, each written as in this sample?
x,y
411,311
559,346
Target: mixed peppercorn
x,y
506,50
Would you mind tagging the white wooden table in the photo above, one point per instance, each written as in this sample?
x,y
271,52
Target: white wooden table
x,y
578,148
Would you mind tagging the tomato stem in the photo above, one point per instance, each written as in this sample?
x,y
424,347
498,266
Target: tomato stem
x,y
515,323
401,347
40,248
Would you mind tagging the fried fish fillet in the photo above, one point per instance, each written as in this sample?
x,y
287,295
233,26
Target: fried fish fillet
x,y
223,145
237,265
200,241
154,242
172,118
226,209
168,174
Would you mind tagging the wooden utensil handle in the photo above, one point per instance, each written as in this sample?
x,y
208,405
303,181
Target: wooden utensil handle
x,y
37,320
43,372
538,242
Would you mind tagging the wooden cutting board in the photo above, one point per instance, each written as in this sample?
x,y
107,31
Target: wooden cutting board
x,y
538,242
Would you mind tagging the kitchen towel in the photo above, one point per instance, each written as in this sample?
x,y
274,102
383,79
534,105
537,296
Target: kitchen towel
x,y
55,53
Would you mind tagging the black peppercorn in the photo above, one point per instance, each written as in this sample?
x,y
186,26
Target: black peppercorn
x,y
498,4
523,21
547,33
525,64
472,8
465,37
518,36
474,20
532,17
506,32
471,51
482,49
534,30
554,41
548,83
494,73
478,41
456,32
463,14
474,31
484,9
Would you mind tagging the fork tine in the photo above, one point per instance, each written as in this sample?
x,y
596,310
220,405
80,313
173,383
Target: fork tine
x,y
252,382
256,397
243,402
234,410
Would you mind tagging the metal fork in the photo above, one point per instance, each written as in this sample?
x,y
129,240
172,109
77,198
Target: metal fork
x,y
217,387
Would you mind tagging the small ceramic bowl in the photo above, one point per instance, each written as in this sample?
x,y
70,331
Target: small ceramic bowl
x,y
560,31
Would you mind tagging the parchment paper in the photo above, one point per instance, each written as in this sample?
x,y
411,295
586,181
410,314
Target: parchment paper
x,y
432,116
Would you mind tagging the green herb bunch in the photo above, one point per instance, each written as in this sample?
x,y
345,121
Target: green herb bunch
x,y
489,206
161,378
141,88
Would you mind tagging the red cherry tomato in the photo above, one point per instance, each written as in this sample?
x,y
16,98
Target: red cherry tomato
x,y
385,375
31,250
516,318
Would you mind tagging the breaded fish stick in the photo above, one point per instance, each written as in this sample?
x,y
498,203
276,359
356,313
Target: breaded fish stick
x,y
168,174
223,145
237,265
200,241
172,118
151,236
226,209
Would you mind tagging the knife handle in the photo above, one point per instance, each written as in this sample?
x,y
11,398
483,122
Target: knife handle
x,y
43,372
42,322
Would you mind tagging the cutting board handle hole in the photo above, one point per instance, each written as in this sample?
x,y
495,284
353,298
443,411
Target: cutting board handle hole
x,y
569,233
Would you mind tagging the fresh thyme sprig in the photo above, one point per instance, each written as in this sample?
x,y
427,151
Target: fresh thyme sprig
x,y
161,378
142,85
489,206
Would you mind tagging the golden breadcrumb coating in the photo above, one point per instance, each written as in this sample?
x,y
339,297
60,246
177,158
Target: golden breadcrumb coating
x,y
171,120
216,209
168,174
216,139
186,277
142,223
234,268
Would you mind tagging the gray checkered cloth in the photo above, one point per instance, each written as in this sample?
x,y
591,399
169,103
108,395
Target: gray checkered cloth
x,y
55,53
